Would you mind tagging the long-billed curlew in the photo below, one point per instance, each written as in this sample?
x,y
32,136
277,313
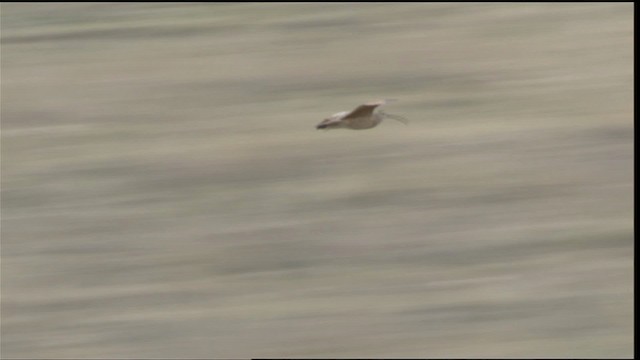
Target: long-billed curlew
x,y
360,118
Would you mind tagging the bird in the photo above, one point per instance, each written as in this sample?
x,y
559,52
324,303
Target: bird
x,y
361,118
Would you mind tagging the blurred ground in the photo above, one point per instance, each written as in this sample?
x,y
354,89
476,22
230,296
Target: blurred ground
x,y
165,193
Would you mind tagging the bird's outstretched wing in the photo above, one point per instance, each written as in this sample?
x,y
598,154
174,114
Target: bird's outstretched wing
x,y
365,109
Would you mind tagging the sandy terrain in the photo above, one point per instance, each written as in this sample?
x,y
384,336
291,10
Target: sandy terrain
x,y
165,193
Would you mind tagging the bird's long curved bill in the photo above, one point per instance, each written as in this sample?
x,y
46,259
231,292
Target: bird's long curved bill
x,y
396,117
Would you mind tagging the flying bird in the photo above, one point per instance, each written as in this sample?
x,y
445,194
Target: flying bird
x,y
360,118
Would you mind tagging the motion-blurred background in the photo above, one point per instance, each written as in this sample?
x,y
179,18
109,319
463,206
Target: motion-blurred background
x,y
165,192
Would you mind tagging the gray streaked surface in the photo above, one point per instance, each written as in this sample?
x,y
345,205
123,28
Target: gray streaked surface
x,y
166,195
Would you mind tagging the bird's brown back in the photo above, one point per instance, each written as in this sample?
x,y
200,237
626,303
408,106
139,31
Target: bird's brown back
x,y
364,110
